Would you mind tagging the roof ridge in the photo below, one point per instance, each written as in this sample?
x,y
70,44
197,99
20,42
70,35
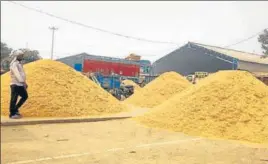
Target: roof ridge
x,y
226,49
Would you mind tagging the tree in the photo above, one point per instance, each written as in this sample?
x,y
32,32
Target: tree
x,y
29,56
5,50
263,39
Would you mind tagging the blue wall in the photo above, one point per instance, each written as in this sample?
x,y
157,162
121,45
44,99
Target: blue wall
x,y
78,67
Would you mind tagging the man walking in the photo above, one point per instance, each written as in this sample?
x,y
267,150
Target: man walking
x,y
18,84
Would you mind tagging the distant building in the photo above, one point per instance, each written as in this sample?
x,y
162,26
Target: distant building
x,y
145,67
195,57
106,65
133,57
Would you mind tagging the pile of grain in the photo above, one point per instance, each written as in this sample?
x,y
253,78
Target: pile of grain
x,y
228,104
159,90
130,82
56,90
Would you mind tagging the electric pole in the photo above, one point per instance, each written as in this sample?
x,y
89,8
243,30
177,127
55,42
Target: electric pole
x,y
52,46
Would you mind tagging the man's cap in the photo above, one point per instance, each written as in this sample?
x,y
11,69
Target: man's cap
x,y
16,53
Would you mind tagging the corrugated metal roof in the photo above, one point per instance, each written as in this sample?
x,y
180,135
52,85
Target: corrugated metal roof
x,y
102,58
244,56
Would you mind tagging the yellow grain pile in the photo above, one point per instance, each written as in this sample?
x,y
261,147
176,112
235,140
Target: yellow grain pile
x,y
130,82
159,90
56,90
228,104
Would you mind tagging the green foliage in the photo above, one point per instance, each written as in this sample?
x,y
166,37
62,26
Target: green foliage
x,y
5,50
29,56
263,39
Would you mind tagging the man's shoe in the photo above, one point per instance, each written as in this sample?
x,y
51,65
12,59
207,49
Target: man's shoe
x,y
18,114
15,116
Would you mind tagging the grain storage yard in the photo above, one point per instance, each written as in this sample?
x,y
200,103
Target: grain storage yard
x,y
89,82
220,120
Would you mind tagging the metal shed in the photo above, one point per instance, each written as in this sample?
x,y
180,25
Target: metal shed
x,y
194,57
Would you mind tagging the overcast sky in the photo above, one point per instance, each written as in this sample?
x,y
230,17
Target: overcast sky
x,y
213,23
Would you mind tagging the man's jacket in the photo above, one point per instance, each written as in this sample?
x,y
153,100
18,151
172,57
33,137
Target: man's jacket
x,y
17,73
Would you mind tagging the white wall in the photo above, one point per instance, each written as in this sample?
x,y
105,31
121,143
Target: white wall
x,y
253,67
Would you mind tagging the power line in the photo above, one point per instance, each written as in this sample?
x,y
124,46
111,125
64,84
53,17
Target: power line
x,y
91,27
244,40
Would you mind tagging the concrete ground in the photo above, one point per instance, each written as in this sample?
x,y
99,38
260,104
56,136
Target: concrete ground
x,y
132,112
119,142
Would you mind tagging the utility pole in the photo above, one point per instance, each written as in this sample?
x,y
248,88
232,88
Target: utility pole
x,y
52,46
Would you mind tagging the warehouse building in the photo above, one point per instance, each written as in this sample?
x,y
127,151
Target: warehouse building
x,y
195,57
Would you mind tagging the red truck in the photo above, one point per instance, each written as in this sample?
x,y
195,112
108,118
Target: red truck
x,y
108,67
